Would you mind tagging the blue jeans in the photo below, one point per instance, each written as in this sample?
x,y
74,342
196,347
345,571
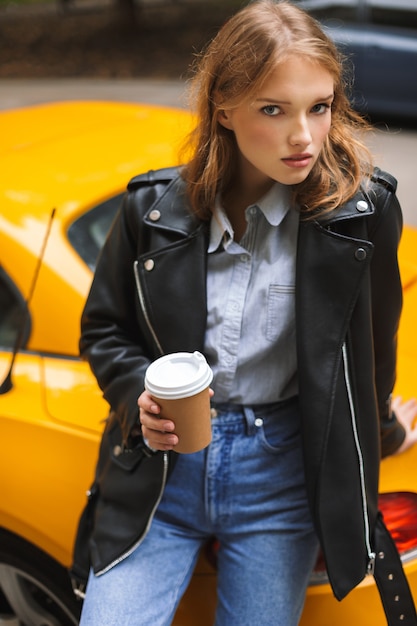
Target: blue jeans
x,y
247,489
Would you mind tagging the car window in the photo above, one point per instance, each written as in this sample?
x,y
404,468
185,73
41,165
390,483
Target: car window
x,y
88,233
12,312
401,13
346,10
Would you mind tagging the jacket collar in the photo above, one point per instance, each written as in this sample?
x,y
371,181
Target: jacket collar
x,y
167,212
359,205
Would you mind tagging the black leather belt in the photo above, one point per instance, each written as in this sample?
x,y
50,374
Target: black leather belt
x,y
391,581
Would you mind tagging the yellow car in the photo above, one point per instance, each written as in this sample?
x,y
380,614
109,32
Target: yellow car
x,y
63,169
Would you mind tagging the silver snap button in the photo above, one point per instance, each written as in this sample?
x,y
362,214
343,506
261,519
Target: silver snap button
x,y
362,206
155,215
149,265
360,254
390,576
259,422
381,555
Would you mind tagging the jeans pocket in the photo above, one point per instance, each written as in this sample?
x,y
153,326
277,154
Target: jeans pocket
x,y
279,432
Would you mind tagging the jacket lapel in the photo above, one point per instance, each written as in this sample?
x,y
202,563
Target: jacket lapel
x,y
330,269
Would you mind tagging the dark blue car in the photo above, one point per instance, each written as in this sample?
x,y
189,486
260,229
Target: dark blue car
x,y
380,39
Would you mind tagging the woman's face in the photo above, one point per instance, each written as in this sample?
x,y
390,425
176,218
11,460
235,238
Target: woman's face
x,y
280,134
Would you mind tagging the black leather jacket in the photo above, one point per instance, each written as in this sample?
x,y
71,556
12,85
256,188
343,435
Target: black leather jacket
x,y
148,297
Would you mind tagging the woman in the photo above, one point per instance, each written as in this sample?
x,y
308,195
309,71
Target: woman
x,y
272,252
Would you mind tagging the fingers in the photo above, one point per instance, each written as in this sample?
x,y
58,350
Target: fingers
x,y
148,404
157,430
406,413
409,441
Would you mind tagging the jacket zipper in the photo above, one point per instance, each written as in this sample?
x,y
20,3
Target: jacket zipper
x,y
371,555
165,472
145,532
143,307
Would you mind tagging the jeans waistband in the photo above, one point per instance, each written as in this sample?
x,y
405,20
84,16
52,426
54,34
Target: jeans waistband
x,y
227,407
229,413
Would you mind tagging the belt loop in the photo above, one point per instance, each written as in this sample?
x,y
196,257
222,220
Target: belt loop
x,y
249,415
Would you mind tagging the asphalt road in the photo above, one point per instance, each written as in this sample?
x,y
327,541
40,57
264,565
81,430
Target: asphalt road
x,y
395,149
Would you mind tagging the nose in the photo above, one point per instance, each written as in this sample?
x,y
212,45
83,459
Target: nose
x,y
300,134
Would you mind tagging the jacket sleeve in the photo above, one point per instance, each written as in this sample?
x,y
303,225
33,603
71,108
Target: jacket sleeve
x,y
385,232
111,339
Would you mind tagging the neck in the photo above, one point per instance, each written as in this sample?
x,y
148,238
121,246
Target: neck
x,y
237,198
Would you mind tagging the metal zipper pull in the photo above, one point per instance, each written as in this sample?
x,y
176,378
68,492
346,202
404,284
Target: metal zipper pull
x,y
370,569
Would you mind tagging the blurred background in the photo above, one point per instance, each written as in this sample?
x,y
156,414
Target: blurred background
x,y
142,50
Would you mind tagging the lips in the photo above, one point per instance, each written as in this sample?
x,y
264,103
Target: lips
x,y
298,160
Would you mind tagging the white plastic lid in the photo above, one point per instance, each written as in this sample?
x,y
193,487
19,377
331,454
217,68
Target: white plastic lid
x,y
178,375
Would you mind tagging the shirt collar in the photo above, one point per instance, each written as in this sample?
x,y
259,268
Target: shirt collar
x,y
275,204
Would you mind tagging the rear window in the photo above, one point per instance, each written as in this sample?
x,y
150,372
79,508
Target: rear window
x,y
13,313
88,233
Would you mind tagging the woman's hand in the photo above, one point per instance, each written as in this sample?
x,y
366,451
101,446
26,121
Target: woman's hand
x,y
156,431
406,413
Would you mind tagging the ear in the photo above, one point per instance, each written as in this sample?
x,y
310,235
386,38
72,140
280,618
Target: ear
x,y
225,120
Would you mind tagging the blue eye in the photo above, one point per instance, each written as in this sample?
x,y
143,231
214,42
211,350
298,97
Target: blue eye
x,y
320,108
271,109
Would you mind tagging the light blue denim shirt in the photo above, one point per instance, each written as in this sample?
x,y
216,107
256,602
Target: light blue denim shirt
x,y
250,337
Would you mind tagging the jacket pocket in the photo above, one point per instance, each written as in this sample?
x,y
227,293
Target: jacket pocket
x,y
127,485
126,457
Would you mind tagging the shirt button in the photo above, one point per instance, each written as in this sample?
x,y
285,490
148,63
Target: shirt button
x,y
259,422
244,258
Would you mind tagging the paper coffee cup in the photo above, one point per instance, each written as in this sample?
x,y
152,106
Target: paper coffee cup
x,y
179,383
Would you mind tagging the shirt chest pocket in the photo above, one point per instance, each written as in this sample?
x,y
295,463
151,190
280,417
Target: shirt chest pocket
x,y
280,313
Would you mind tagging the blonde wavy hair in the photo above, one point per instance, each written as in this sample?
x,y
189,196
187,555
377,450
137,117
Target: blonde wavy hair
x,y
232,69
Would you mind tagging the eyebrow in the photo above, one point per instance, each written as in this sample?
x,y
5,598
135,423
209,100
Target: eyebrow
x,y
271,100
